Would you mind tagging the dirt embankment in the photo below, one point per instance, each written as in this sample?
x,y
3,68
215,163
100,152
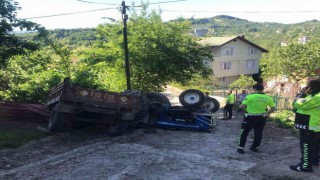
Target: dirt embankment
x,y
166,154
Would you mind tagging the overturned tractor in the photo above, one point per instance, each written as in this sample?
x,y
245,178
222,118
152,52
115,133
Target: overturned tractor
x,y
72,105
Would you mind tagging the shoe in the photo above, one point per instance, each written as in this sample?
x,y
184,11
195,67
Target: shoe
x,y
299,168
240,150
254,149
229,118
223,119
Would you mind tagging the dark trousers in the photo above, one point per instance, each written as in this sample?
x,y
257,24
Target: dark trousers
x,y
252,122
238,106
227,113
316,158
309,146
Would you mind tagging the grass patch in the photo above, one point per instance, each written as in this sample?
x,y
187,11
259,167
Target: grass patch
x,y
16,133
283,118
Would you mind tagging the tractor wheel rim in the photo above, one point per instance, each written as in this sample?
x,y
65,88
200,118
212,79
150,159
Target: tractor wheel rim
x,y
192,98
208,104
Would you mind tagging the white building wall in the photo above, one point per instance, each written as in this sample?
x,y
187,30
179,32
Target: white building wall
x,y
241,59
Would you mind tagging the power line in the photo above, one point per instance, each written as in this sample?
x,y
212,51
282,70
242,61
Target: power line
x,y
64,14
98,3
163,2
167,2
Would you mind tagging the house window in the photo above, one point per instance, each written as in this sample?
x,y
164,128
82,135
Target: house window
x,y
251,64
222,79
252,50
227,51
226,65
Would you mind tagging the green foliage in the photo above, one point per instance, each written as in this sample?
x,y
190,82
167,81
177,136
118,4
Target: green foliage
x,y
297,61
158,53
284,118
243,82
28,78
10,44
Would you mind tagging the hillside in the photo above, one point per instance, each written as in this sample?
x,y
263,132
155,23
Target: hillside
x,y
265,34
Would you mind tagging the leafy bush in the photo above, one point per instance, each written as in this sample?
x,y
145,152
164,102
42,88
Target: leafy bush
x,y
284,118
243,82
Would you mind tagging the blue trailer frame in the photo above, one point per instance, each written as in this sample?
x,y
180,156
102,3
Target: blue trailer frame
x,y
179,117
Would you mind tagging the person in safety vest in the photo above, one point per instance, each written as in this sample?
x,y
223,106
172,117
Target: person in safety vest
x,y
230,100
307,120
257,107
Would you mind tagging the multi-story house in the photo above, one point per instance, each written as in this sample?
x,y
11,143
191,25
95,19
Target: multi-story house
x,y
233,56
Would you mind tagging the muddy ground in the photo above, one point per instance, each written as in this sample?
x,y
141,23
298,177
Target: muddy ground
x,y
167,154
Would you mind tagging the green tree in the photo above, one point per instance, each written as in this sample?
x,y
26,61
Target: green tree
x,y
296,61
159,52
27,78
10,44
243,82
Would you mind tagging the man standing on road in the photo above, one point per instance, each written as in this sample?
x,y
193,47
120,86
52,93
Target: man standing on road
x,y
256,107
307,120
230,99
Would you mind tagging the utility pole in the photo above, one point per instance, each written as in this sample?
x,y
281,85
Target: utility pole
x,y
125,40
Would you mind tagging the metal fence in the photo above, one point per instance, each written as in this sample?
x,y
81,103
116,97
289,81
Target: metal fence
x,y
283,103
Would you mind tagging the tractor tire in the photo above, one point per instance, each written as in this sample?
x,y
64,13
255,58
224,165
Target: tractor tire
x,y
191,98
57,120
156,102
158,98
211,104
118,128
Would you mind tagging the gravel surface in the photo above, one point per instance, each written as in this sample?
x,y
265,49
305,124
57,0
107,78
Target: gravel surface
x,y
166,154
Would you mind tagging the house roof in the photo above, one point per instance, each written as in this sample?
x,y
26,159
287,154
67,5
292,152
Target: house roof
x,y
220,41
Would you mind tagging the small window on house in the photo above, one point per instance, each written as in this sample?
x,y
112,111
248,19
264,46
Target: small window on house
x,y
252,50
222,79
251,64
227,51
226,65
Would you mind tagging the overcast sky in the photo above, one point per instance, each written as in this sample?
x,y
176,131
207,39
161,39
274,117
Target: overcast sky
x,y
281,11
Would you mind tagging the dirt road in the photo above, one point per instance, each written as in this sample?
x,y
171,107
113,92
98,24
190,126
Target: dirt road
x,y
166,154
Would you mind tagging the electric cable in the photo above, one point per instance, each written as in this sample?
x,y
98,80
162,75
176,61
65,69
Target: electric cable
x,y
163,2
97,3
64,14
